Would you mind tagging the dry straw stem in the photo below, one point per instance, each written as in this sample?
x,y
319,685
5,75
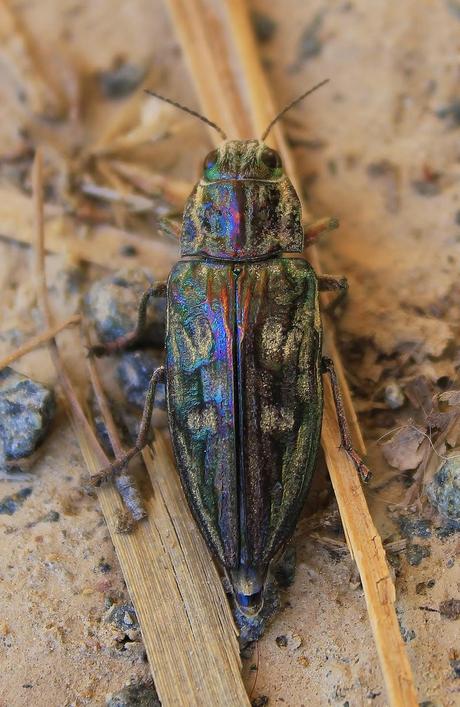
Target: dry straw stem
x,y
366,547
222,55
38,340
183,612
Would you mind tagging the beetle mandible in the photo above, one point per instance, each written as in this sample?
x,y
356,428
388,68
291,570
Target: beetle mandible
x,y
243,366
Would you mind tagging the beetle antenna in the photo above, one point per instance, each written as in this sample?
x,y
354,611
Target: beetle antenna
x,y
291,105
188,110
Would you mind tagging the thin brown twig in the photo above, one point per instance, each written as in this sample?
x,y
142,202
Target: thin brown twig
x,y
39,340
124,481
42,296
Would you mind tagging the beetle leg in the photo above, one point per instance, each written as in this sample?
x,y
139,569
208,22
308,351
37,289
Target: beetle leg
x,y
315,229
327,283
121,462
123,342
347,444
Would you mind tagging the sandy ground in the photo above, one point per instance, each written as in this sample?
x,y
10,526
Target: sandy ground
x,y
375,150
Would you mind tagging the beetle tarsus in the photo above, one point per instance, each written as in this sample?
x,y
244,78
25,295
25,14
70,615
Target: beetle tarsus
x,y
346,441
121,462
315,229
327,283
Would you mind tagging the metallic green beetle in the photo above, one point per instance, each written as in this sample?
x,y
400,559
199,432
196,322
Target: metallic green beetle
x,y
243,368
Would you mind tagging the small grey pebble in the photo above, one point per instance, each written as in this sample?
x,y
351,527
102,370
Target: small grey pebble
x,y
50,517
113,303
121,80
444,491
123,616
140,695
26,411
260,701
263,25
284,569
10,504
416,553
411,526
134,371
394,396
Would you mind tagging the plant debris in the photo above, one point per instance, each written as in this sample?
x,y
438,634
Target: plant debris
x,y
405,449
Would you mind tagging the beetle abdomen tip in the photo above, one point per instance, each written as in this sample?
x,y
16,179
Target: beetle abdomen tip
x,y
250,604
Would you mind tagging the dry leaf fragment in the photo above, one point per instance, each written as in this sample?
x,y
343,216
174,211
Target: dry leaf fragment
x,y
405,450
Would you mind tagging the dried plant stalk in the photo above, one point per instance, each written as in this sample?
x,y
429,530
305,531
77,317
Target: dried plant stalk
x,y
38,340
226,25
367,550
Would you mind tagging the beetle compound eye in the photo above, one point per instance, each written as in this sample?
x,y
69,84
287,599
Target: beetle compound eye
x,y
271,158
210,161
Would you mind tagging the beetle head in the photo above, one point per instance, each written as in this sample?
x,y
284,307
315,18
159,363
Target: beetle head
x,y
244,206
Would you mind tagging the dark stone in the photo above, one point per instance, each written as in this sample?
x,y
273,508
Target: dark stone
x,y
10,504
455,665
260,701
134,372
444,490
121,80
26,411
123,429
140,695
284,570
408,634
411,526
113,304
451,113
263,25
421,587
128,250
448,528
123,616
50,517
104,567
427,187
416,553
450,609
281,641
310,44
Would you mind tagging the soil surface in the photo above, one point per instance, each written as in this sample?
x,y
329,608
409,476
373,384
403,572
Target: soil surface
x,y
378,148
